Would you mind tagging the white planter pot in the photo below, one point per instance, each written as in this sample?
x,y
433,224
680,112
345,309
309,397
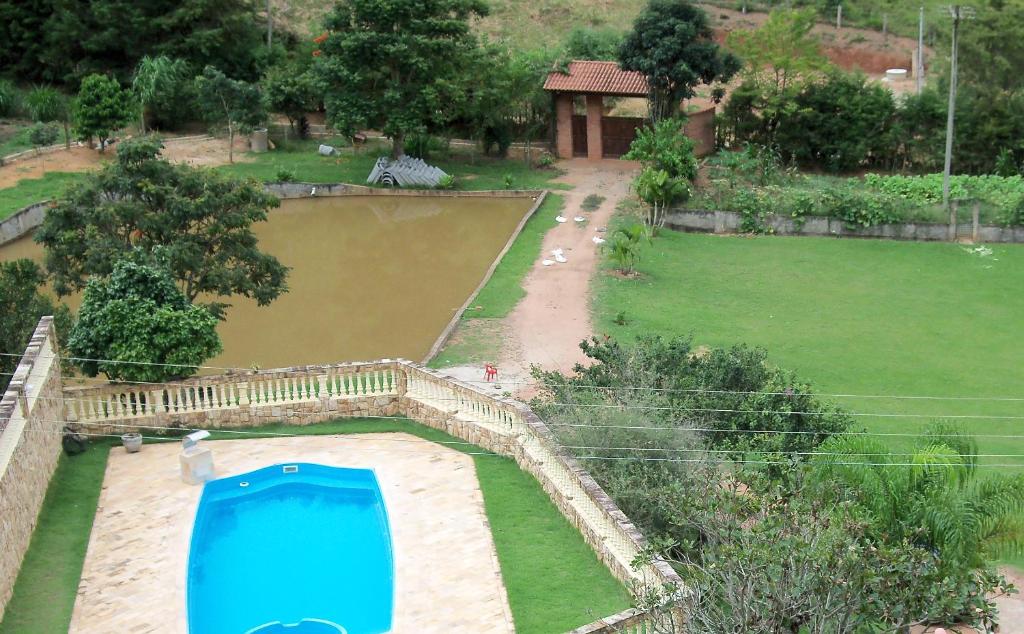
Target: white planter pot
x,y
132,442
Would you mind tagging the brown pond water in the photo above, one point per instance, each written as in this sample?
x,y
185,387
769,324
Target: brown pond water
x,y
372,276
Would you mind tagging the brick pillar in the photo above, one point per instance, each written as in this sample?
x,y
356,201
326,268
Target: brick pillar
x,y
563,125
595,110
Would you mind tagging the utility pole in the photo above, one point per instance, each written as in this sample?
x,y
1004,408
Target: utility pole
x,y
270,26
885,29
839,16
957,13
920,51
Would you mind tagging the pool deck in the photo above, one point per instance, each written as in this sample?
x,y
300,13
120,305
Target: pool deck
x,y
447,577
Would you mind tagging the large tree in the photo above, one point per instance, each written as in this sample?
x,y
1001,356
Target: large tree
x,y
155,80
395,65
202,219
136,325
673,45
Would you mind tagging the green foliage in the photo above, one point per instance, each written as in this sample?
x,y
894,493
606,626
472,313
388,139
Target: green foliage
x,y
22,303
8,98
624,247
157,81
101,108
229,103
594,44
285,175
664,146
425,146
46,104
135,325
43,134
673,45
447,182
937,502
991,47
659,191
395,66
291,91
65,40
202,218
1003,193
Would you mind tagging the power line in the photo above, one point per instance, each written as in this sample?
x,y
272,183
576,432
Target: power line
x,y
626,458
256,373
184,408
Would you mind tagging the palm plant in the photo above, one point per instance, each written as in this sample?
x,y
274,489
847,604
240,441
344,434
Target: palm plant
x,y
660,191
624,247
931,495
155,76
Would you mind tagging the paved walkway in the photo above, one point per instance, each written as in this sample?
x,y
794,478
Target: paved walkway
x,y
447,577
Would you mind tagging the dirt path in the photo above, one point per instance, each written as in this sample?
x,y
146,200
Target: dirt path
x,y
208,151
546,327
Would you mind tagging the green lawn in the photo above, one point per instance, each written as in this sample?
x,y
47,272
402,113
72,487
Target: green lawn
x,y
864,317
554,580
34,190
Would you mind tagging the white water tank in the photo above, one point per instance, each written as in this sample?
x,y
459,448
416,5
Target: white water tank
x,y
896,74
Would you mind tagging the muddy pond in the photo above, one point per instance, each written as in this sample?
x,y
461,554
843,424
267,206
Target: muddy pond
x,y
371,276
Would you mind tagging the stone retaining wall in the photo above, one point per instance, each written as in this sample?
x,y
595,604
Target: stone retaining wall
x,y
22,222
30,444
730,221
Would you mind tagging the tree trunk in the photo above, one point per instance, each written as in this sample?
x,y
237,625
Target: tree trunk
x,y
142,121
231,143
398,145
67,136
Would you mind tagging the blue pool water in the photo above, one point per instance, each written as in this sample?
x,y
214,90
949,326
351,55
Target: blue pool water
x,y
291,549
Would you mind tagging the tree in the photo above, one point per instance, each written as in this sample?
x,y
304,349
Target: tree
x,y
778,56
395,66
587,43
203,219
659,191
102,107
21,305
292,92
991,47
80,37
154,79
22,25
624,247
135,325
665,146
673,45
46,104
234,104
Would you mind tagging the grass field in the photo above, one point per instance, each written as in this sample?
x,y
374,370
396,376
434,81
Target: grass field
x,y
865,317
553,579
852,317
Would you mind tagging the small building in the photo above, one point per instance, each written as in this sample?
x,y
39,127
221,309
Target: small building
x,y
596,135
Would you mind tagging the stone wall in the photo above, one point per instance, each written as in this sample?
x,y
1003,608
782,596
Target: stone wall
x,y
29,448
730,221
22,222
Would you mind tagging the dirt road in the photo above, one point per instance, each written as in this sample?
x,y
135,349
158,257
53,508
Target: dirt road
x,y
546,327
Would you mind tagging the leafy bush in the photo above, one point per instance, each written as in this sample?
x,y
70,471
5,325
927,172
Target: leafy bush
x,y
665,147
624,247
286,175
447,182
22,303
139,320
1004,193
43,134
424,146
9,98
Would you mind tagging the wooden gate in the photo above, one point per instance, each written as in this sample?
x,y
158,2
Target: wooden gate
x,y
617,133
579,135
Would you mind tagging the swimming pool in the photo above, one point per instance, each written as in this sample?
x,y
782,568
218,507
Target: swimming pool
x,y
291,549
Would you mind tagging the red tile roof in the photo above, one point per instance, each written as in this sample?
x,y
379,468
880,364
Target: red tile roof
x,y
603,78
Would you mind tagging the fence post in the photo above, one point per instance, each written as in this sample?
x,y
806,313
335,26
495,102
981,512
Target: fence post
x,y
975,216
953,205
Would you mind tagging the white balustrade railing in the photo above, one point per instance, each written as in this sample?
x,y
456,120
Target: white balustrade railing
x,y
131,402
